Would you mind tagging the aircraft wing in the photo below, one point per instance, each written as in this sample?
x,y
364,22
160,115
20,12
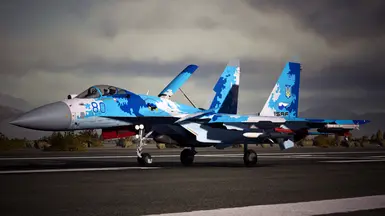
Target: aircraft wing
x,y
178,81
285,130
195,116
238,122
225,118
324,125
330,124
143,119
222,136
330,121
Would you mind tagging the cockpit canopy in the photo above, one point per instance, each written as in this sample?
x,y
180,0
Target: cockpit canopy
x,y
101,90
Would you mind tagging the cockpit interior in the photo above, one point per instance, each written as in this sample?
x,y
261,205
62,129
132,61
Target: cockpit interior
x,y
101,90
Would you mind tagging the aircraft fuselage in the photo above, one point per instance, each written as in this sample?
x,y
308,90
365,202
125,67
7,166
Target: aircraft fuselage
x,y
103,111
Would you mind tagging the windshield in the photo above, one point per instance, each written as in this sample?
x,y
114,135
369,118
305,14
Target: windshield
x,y
101,90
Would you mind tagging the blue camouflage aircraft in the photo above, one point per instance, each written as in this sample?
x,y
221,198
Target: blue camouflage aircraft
x,y
115,109
192,127
277,121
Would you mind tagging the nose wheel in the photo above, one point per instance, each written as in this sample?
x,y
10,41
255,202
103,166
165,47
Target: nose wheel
x,y
143,159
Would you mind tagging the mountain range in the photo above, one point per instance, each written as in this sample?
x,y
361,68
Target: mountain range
x,y
14,103
11,108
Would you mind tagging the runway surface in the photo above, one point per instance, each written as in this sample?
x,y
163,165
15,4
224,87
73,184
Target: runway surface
x,y
302,181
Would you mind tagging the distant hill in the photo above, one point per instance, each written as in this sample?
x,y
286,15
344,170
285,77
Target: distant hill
x,y
7,114
13,102
377,119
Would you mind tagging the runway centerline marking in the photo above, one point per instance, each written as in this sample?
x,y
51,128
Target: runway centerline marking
x,y
76,170
377,156
300,208
354,161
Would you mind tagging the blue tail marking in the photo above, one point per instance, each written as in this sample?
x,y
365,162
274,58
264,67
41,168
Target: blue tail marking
x,y
227,89
283,100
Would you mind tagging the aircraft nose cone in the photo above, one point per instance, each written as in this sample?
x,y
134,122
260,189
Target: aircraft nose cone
x,y
50,117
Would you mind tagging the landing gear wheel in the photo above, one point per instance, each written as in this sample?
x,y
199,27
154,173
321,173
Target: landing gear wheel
x,y
250,158
145,159
187,157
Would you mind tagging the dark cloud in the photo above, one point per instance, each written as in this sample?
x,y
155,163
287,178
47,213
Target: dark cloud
x,y
336,20
357,77
24,17
102,37
98,66
364,76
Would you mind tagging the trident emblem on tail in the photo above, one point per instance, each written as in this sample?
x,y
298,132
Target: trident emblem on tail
x,y
288,91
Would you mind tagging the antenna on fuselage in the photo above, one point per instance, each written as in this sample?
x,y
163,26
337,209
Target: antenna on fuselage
x,y
187,98
148,91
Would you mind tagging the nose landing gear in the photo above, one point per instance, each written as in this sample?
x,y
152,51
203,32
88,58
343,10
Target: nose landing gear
x,y
143,159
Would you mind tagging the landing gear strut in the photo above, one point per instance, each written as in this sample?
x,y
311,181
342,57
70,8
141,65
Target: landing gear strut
x,y
346,138
187,156
249,156
143,158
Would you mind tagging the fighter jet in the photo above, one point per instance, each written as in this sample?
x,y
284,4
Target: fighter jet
x,y
278,122
116,110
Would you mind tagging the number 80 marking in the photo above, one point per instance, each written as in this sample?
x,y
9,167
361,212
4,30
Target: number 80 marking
x,y
96,108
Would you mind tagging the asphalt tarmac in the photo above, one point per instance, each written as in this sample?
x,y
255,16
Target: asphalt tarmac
x,y
301,181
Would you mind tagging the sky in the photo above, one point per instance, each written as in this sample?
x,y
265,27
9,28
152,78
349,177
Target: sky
x,y
52,48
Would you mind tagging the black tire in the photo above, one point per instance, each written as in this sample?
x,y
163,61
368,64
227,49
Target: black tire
x,y
187,157
250,158
145,160
140,161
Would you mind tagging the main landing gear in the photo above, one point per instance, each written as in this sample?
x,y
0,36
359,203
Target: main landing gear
x,y
187,156
143,159
249,156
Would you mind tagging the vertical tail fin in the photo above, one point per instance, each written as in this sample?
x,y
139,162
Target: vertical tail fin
x,y
283,100
178,81
226,89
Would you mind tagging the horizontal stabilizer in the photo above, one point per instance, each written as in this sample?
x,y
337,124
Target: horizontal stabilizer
x,y
330,122
338,121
